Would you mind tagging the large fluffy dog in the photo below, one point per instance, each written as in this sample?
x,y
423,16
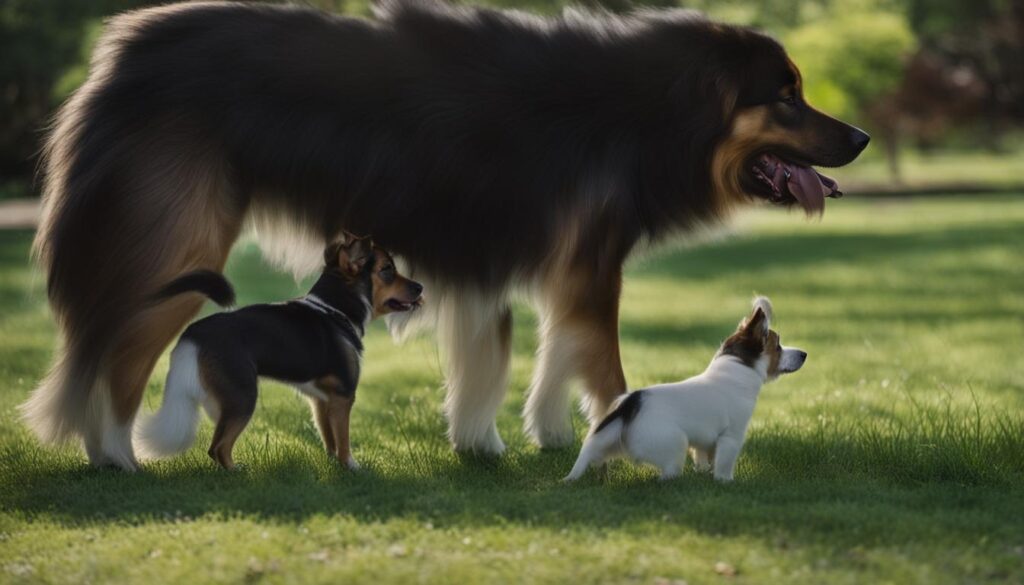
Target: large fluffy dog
x,y
491,150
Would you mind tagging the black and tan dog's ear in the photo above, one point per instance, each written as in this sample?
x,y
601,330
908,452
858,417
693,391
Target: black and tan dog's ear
x,y
331,253
353,256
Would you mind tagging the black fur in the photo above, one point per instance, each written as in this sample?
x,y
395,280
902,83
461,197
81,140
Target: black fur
x,y
290,341
627,410
468,141
493,126
206,282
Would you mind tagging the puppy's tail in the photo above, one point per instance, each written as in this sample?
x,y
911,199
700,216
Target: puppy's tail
x,y
206,282
607,437
625,408
172,429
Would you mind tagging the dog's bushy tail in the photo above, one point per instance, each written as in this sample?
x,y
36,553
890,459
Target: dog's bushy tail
x,y
206,282
172,429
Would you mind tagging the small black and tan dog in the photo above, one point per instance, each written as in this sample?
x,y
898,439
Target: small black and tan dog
x,y
313,343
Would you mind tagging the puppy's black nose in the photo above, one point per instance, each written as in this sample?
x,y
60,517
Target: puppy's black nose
x,y
860,139
803,356
415,288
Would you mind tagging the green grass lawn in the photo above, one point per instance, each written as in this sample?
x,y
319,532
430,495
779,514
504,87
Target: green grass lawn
x,y
939,169
896,455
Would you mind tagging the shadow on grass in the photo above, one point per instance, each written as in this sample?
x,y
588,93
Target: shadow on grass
x,y
793,487
763,252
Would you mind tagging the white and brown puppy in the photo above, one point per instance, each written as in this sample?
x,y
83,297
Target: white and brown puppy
x,y
708,413
313,343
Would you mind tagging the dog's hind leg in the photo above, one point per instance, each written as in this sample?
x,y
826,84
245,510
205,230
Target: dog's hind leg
x,y
673,462
232,382
120,222
476,330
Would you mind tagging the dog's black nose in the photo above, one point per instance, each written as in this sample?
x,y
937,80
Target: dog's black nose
x,y
860,139
803,356
415,288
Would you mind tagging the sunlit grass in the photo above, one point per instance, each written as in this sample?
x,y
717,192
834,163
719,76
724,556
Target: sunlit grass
x,y
976,169
895,455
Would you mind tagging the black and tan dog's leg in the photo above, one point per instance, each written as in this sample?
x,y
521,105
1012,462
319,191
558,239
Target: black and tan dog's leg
x,y
339,411
323,423
229,427
234,388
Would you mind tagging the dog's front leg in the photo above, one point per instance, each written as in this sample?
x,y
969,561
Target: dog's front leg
x,y
727,451
339,410
323,423
476,330
579,312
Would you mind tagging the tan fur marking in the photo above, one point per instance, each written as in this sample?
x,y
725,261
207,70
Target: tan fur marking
x,y
580,301
328,384
752,129
339,411
398,288
323,424
207,224
224,438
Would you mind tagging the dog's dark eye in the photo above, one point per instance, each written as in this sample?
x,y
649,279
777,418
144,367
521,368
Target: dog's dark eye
x,y
789,100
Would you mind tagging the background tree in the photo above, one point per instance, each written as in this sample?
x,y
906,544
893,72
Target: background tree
x,y
915,71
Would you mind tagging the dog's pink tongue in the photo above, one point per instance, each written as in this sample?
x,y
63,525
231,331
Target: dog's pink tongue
x,y
808,189
806,185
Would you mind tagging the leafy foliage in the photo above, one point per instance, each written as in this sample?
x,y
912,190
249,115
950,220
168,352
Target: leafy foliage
x,y
851,57
852,52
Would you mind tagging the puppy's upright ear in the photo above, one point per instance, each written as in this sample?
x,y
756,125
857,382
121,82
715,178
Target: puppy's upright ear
x,y
765,305
353,256
756,326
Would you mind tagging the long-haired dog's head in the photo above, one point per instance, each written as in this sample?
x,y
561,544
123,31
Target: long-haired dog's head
x,y
358,259
774,137
759,347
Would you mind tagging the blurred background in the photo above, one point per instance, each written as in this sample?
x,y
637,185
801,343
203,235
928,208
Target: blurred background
x,y
938,83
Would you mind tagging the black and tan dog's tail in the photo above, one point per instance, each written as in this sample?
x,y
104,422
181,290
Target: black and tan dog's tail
x,y
211,284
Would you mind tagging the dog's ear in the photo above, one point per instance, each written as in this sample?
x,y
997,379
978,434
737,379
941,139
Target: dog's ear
x,y
755,326
353,256
348,237
331,253
765,305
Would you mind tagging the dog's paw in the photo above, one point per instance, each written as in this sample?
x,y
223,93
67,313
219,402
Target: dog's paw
x,y
352,464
